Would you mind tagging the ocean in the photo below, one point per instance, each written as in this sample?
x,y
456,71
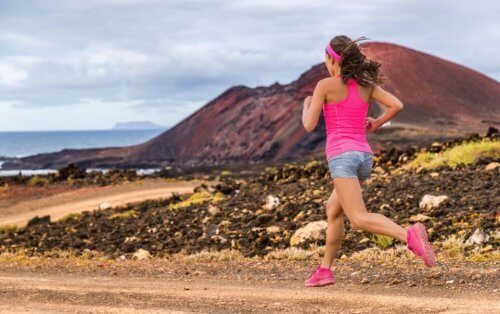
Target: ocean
x,y
21,144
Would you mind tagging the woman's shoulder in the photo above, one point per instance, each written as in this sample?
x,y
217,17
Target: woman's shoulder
x,y
329,82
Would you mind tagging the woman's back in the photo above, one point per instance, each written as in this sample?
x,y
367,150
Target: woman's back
x,y
345,114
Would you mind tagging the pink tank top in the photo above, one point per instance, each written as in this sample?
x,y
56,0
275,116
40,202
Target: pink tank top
x,y
345,123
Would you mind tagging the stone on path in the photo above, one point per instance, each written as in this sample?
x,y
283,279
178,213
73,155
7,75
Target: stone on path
x,y
141,254
312,231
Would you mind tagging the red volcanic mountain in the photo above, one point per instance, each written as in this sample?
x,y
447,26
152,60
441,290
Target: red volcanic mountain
x,y
264,123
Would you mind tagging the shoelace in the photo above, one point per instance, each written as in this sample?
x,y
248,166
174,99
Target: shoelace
x,y
315,270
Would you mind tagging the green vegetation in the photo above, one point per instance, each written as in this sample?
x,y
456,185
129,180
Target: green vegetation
x,y
382,241
8,229
38,181
464,154
124,215
70,217
197,198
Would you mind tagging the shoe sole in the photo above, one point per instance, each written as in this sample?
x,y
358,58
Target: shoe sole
x,y
428,253
321,283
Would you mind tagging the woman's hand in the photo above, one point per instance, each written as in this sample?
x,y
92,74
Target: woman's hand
x,y
371,124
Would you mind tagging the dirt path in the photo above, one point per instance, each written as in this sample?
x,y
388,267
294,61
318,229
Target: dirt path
x,y
76,293
58,206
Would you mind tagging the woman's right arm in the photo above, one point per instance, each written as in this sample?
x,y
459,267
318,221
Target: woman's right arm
x,y
393,104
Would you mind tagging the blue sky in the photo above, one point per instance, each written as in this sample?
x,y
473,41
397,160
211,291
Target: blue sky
x,y
68,64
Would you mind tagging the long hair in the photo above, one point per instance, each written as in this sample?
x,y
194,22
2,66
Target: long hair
x,y
354,63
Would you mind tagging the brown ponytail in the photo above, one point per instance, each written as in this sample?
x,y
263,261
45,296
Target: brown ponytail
x,y
354,63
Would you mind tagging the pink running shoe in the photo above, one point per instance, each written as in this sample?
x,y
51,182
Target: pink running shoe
x,y
418,243
320,277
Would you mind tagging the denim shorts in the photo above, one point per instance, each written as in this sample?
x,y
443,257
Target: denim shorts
x,y
351,164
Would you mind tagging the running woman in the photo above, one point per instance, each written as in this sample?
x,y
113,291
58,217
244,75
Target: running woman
x,y
344,99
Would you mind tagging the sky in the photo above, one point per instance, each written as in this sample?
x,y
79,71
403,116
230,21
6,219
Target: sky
x,y
88,64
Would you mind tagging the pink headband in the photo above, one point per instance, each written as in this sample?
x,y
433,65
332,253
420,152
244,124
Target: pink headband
x,y
332,53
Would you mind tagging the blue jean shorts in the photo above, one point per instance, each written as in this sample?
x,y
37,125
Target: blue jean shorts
x,y
351,164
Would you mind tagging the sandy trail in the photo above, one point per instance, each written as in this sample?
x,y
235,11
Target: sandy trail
x,y
77,293
77,201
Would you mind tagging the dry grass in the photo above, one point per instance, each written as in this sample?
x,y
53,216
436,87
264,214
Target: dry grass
x,y
223,255
452,249
290,254
376,255
455,249
23,257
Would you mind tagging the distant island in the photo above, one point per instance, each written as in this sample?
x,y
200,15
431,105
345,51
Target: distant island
x,y
138,125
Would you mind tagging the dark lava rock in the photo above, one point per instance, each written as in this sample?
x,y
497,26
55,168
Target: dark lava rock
x,y
242,218
38,221
71,171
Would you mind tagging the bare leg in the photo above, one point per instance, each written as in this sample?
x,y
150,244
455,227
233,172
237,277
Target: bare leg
x,y
335,229
351,200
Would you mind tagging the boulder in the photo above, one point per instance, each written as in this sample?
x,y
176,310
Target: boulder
x,y
313,231
141,254
478,238
429,202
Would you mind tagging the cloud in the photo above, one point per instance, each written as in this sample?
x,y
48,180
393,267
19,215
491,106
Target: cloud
x,y
11,76
181,54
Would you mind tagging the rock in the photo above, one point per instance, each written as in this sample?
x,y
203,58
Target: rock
x,y
299,216
419,218
71,171
104,206
492,166
434,174
364,240
430,201
131,239
38,221
487,248
141,254
219,239
271,202
385,206
365,281
312,231
213,210
449,282
478,237
210,230
273,229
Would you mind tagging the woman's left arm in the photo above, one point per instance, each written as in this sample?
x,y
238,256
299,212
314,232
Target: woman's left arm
x,y
312,107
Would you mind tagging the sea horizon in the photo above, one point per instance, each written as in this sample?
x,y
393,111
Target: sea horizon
x,y
18,144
